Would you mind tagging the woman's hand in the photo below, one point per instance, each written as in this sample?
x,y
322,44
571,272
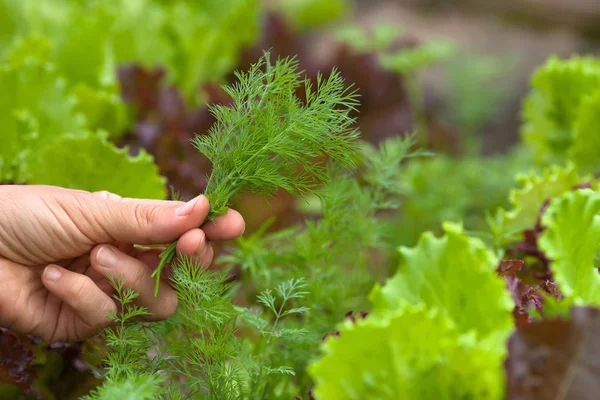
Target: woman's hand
x,y
58,245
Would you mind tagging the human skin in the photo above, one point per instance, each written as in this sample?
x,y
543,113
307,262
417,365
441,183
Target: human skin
x,y
57,247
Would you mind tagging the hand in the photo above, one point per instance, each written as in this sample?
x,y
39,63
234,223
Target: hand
x,y
58,245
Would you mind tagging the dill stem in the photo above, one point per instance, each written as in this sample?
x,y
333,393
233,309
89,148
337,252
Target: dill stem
x,y
267,344
416,100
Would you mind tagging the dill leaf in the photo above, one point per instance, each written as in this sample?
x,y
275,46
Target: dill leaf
x,y
270,139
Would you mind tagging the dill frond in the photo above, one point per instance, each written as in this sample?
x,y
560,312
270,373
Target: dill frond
x,y
270,139
204,348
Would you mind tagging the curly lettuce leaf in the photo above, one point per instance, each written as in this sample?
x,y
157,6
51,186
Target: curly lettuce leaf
x,y
535,189
90,162
552,108
571,241
151,32
103,108
35,108
412,353
586,141
454,274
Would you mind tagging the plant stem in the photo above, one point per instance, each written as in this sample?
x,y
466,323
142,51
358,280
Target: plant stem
x,y
264,353
417,105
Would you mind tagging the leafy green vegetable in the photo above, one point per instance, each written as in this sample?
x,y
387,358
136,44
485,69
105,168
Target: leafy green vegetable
x,y
586,142
572,241
151,32
445,285
47,139
324,254
90,162
454,274
35,109
412,353
559,109
268,139
535,189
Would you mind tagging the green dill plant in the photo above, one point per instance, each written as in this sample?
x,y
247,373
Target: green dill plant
x,y
337,258
131,371
270,139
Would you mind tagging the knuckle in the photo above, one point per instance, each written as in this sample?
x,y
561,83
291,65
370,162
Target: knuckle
x,y
145,215
104,194
80,287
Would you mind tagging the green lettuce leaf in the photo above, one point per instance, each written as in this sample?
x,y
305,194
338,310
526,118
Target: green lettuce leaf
x,y
571,241
90,162
35,108
526,201
153,33
103,108
586,141
412,353
552,108
454,274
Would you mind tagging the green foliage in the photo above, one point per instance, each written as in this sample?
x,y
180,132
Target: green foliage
x,y
130,370
410,60
194,354
311,14
411,353
268,139
535,189
378,38
35,109
280,305
444,188
200,337
46,135
454,274
151,32
560,111
67,163
324,254
468,110
437,330
571,241
136,387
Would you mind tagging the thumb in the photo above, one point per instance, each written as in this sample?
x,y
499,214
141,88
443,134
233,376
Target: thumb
x,y
148,221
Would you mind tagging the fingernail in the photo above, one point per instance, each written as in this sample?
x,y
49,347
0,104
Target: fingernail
x,y
202,249
107,257
52,274
187,208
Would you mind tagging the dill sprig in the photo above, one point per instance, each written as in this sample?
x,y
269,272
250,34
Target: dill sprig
x,y
269,139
